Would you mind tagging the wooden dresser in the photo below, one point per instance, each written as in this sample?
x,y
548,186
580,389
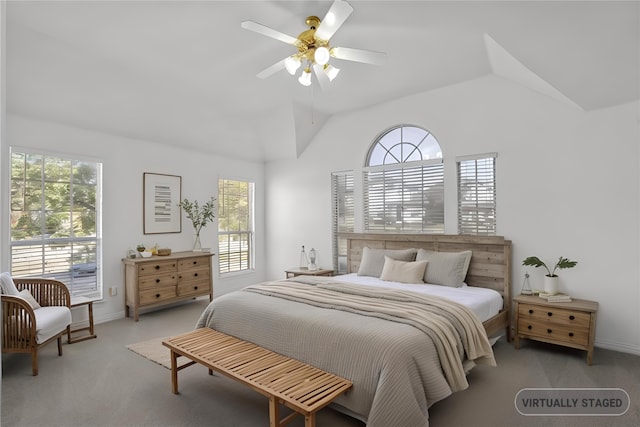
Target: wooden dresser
x,y
570,324
161,280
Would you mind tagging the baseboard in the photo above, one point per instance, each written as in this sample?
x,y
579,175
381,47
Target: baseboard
x,y
109,317
623,348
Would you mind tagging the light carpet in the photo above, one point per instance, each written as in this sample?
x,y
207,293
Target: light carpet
x,y
154,351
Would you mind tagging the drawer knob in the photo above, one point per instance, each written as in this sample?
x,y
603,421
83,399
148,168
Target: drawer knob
x,y
157,267
157,280
195,275
572,317
157,295
549,331
529,327
549,314
195,288
530,311
570,334
195,262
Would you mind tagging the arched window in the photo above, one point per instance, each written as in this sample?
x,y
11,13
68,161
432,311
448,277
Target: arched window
x,y
403,144
403,182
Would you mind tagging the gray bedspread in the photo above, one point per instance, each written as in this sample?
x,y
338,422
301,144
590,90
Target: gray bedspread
x,y
402,351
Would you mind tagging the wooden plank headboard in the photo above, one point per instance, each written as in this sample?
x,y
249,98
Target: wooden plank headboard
x,y
490,265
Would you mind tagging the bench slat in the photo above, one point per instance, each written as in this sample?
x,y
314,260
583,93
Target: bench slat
x,y
302,387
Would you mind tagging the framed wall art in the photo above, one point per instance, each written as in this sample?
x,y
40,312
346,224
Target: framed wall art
x,y
161,213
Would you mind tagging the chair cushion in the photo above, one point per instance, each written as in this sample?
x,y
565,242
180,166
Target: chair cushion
x,y
8,287
50,321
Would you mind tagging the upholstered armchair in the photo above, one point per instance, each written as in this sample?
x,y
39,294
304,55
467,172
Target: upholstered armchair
x,y
33,319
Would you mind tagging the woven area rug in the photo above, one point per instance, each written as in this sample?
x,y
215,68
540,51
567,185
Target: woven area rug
x,y
154,351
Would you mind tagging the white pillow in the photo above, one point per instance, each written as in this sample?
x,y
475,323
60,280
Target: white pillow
x,y
8,287
30,299
402,271
445,268
373,259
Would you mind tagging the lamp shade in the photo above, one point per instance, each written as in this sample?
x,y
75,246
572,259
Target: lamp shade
x,y
292,64
331,71
305,77
321,55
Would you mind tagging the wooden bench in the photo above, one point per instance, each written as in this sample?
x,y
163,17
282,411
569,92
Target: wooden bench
x,y
301,387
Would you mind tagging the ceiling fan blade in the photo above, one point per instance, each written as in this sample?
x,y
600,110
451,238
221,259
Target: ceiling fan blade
x,y
269,32
321,76
359,55
335,17
271,70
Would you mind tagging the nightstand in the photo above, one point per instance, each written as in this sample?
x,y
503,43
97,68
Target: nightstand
x,y
293,272
570,324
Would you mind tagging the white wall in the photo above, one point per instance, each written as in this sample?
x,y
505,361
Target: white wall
x,y
124,162
567,185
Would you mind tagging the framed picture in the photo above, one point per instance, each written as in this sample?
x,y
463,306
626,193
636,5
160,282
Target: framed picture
x,y
161,213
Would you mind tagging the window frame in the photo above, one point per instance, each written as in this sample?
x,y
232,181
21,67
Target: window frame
x,y
410,198
79,274
247,236
342,216
477,205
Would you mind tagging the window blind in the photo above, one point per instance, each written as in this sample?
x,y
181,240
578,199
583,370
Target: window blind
x,y
405,198
477,194
343,213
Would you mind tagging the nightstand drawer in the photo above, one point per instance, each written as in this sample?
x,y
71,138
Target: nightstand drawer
x,y
555,315
565,334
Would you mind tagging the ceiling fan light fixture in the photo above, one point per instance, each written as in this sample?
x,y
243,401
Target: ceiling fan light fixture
x,y
305,77
292,64
331,71
321,55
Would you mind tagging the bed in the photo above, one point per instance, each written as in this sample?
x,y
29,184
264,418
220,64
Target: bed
x,y
379,335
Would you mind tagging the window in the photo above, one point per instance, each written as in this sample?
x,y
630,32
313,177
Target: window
x,y
235,225
404,182
477,194
342,205
55,220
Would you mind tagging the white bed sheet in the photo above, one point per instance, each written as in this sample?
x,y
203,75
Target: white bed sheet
x,y
485,303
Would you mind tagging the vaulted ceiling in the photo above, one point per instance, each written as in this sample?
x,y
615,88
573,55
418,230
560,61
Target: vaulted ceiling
x,y
184,73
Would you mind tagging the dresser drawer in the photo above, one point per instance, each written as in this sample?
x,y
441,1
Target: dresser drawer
x,y
565,334
200,275
193,288
159,294
555,315
159,280
194,263
148,268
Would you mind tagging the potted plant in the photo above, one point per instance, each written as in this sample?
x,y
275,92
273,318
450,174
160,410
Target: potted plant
x,y
199,216
551,278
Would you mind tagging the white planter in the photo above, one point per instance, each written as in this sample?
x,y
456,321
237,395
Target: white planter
x,y
551,285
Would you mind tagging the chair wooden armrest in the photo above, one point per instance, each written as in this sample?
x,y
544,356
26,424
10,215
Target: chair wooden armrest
x,y
19,334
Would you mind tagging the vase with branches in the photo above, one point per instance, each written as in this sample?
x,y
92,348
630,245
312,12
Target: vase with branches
x,y
200,216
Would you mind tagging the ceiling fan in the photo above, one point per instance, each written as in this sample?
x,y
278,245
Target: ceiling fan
x,y
314,49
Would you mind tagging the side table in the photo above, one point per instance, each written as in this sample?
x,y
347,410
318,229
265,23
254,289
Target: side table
x,y
77,302
293,272
569,324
